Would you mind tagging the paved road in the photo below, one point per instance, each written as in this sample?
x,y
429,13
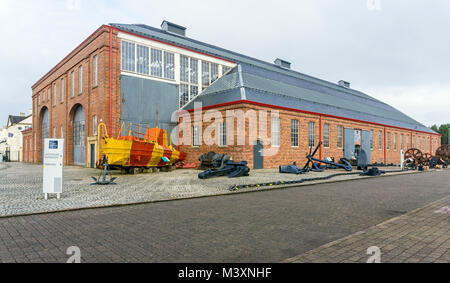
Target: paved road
x,y
268,226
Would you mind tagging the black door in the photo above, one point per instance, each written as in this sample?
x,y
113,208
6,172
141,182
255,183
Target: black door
x,y
92,155
258,159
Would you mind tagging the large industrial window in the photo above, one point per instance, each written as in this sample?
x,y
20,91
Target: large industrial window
x,y
194,92
275,130
193,71
62,90
184,69
294,133
340,130
128,56
380,140
395,141
205,74
80,78
142,59
326,135
169,65
214,72
223,134
311,134
156,63
73,83
388,141
195,136
184,94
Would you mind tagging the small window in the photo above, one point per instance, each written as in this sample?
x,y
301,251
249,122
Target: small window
x,y
275,130
311,134
326,135
407,142
94,125
371,140
414,141
339,136
380,140
55,95
223,134
388,141
73,84
395,141
402,142
62,90
294,133
195,136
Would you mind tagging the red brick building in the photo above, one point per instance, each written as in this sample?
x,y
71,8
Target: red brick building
x,y
124,75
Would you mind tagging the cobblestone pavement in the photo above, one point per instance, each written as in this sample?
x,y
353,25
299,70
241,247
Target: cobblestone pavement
x,y
422,236
269,226
21,187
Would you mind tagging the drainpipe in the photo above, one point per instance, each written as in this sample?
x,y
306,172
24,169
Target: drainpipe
x,y
320,136
110,80
385,146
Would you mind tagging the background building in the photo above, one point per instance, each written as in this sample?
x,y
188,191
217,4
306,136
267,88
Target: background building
x,y
138,74
11,140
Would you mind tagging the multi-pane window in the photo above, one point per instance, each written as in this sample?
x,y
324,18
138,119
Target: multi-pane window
x,y
184,94
80,91
275,130
195,136
402,141
225,69
428,144
407,142
326,135
294,133
414,141
94,125
380,140
423,143
223,134
311,134
142,53
49,90
214,72
169,65
194,91
128,56
63,90
156,63
371,140
73,83
193,71
205,74
184,68
388,141
95,70
395,141
340,138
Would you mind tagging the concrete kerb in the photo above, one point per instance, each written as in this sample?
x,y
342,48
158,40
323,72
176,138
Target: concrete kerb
x,y
229,193
296,258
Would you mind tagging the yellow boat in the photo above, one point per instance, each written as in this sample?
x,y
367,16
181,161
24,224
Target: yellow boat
x,y
128,151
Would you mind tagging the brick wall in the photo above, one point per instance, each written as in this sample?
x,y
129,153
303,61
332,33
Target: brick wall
x,y
93,99
287,154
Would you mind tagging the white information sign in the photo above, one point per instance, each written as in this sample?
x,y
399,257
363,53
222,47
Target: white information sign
x,y
53,166
357,136
402,159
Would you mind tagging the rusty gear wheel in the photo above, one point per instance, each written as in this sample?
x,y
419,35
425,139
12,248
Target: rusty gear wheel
x,y
414,156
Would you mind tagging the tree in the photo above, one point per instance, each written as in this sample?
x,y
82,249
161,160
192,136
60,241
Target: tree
x,y
444,131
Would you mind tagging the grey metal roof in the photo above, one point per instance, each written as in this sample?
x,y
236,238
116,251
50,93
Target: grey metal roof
x,y
271,84
15,119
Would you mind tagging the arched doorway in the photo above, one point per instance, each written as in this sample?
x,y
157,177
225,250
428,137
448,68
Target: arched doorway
x,y
78,136
45,127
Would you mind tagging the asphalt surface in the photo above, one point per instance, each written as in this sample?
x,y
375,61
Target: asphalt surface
x,y
268,226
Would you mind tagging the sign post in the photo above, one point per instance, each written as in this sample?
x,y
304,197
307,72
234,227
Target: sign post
x,y
402,159
53,167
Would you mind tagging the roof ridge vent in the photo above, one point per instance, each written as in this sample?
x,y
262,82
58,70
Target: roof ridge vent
x,y
282,63
173,28
344,84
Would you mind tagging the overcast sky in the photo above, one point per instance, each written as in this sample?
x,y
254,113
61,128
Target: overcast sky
x,y
396,51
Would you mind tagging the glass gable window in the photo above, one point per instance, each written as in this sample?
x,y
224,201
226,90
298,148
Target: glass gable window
x,y
214,72
294,133
205,74
169,65
326,135
128,56
156,62
142,59
194,71
184,69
